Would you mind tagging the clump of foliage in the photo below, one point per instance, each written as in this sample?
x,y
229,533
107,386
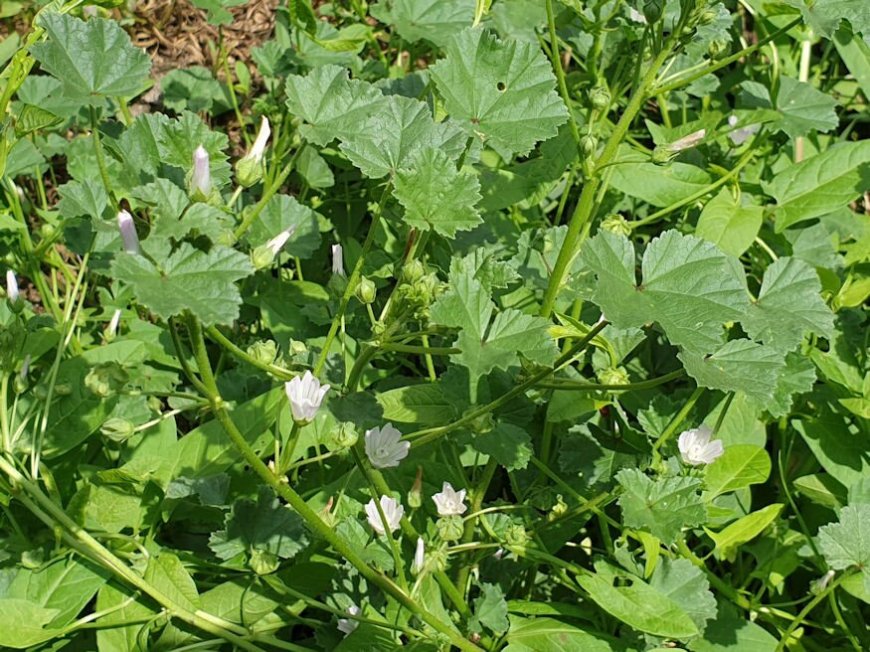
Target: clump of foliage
x,y
513,324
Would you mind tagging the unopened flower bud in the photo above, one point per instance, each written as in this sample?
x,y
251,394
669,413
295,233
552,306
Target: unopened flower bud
x,y
105,380
337,260
653,10
249,169
128,232
346,435
616,223
366,291
516,535
588,145
112,328
706,17
415,495
413,270
117,429
262,257
450,528
263,351
11,286
613,376
599,98
200,180
716,47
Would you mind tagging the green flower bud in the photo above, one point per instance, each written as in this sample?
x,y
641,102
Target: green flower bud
x,y
516,535
117,429
298,348
653,10
64,389
599,98
248,172
717,47
617,224
366,291
104,380
264,351
588,145
559,509
412,271
263,562
706,17
450,528
437,559
262,257
613,376
345,435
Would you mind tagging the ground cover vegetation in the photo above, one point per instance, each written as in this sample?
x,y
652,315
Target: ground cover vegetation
x,y
440,324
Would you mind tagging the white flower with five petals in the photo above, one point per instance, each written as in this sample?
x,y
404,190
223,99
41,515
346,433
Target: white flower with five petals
x,y
393,512
305,394
450,502
385,448
696,446
348,625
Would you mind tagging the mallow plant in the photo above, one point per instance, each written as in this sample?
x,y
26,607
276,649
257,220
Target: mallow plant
x,y
439,324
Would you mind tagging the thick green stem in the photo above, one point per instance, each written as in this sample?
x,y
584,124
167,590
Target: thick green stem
x,y
585,206
315,523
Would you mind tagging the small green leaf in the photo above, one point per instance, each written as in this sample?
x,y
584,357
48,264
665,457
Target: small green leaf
x,y
846,544
662,507
23,623
820,184
659,185
490,610
503,91
804,108
423,404
264,526
93,58
739,466
437,196
189,279
788,306
728,224
743,530
551,635
510,445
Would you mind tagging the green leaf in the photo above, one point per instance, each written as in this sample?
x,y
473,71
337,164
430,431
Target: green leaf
x,y
739,466
167,574
743,530
261,526
189,279
733,634
117,635
685,584
689,286
280,213
83,198
424,404
490,610
788,306
833,441
502,91
551,635
804,108
846,544
23,623
398,129
436,21
91,58
820,184
179,138
193,89
662,507
824,16
217,10
728,224
437,196
659,185
738,365
331,105
488,343
639,606
510,445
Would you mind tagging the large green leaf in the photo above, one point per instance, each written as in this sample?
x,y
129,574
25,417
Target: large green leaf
x,y
437,196
739,466
728,224
804,108
685,584
331,105
729,633
846,544
788,306
689,287
662,507
820,184
551,635
189,280
743,530
502,91
93,58
738,365
436,21
640,606
24,623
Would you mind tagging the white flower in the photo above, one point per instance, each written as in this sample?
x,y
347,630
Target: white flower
x,y
337,260
740,136
128,232
277,243
636,16
419,557
259,146
393,513
11,286
384,447
347,625
450,502
697,448
687,142
200,182
305,394
112,329
819,585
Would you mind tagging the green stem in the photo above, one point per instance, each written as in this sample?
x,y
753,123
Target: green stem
x,y
315,523
352,282
278,372
783,641
420,350
422,437
560,72
580,386
101,161
477,496
585,206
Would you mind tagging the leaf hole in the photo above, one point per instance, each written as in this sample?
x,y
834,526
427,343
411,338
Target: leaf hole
x,y
501,86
